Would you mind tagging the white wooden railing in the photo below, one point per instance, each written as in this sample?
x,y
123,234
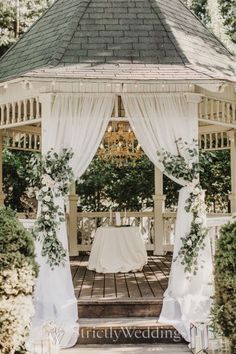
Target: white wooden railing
x,y
23,141
20,112
90,221
219,111
87,224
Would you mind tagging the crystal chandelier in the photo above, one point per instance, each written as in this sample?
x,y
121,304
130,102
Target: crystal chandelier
x,y
119,144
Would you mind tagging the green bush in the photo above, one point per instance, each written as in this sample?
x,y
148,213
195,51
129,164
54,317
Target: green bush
x,y
16,244
18,271
224,312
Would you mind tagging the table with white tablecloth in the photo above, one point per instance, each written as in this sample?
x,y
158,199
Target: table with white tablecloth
x,y
117,249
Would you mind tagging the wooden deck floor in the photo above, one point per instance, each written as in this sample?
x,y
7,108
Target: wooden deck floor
x,y
149,284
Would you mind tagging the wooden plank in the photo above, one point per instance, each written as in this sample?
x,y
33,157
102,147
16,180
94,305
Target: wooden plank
x,y
121,286
153,282
98,286
132,286
145,289
149,284
87,286
74,264
79,276
163,274
159,276
110,286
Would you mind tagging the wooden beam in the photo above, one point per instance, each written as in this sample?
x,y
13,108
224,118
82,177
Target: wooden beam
x,y
26,129
227,125
212,128
21,124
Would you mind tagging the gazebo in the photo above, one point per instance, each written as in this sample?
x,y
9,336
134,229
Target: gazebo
x,y
121,53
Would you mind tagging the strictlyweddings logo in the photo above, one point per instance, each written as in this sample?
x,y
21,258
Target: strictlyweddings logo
x,y
114,334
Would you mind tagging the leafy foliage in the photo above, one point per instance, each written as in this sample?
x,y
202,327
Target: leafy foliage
x,y
18,270
29,11
228,10
216,180
16,244
224,311
15,177
51,176
186,166
105,184
199,7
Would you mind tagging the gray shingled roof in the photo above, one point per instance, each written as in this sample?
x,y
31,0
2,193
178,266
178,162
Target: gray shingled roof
x,y
118,39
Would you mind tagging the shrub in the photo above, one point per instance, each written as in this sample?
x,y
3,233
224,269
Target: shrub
x,y
18,271
224,312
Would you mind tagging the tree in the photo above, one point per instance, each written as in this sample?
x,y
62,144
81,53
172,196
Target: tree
x,y
105,184
16,16
219,16
15,178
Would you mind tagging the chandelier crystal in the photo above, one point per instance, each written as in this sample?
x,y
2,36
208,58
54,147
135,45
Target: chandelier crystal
x,y
119,144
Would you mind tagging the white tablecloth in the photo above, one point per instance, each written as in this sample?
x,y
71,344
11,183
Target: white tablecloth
x,y
117,249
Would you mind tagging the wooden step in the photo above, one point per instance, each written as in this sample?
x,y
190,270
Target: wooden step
x,y
126,331
119,308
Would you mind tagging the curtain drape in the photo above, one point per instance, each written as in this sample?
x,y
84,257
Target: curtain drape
x,y
77,122
158,120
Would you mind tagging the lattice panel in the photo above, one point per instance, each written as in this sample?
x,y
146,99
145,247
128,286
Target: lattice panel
x,y
22,111
218,111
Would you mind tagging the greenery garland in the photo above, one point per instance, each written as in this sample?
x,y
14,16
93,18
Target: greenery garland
x,y
18,271
186,166
51,176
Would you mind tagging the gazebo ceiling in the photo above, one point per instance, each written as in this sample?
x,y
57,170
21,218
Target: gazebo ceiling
x,y
119,39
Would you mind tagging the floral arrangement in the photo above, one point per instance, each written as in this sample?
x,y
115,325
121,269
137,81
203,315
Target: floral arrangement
x,y
187,167
18,271
51,176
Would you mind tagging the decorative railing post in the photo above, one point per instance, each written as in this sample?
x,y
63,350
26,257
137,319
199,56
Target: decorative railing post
x,y
159,209
72,221
2,196
232,196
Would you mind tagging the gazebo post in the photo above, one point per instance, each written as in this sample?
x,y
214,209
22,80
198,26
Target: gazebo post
x,y
159,208
2,197
72,222
232,196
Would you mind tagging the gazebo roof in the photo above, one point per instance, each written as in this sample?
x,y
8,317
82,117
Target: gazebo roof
x,y
119,39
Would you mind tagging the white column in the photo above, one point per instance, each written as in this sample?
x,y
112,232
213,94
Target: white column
x,y
72,221
159,208
46,107
232,196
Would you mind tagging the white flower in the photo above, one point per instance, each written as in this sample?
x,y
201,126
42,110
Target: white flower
x,y
45,208
47,198
47,181
190,165
198,220
189,242
45,189
50,233
195,181
196,191
47,217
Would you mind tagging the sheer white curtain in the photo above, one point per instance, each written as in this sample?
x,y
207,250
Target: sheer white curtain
x,y
158,121
78,121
